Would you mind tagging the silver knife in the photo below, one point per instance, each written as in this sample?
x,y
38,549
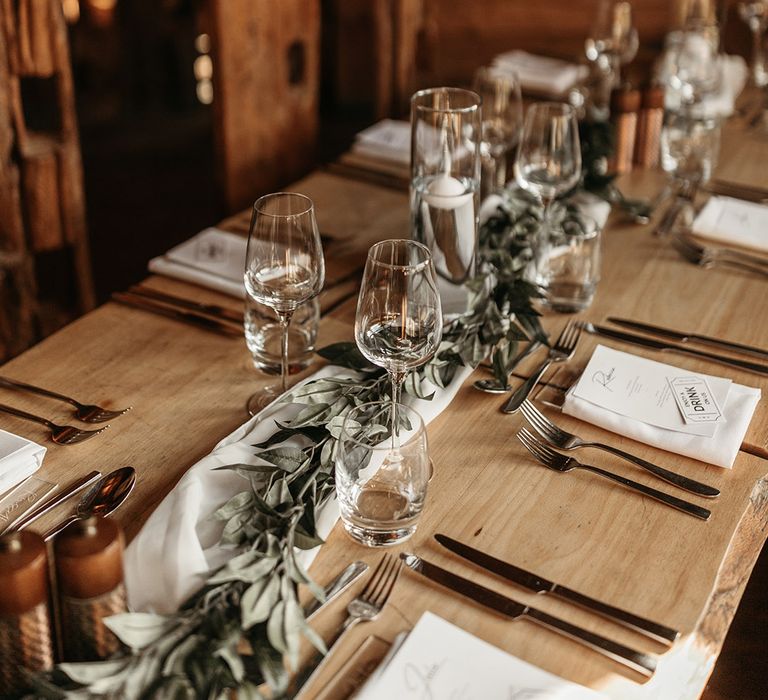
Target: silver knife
x,y
689,337
216,310
668,347
345,579
637,661
660,633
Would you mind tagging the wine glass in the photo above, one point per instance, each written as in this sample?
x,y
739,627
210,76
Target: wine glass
x,y
284,267
613,41
755,14
502,122
399,321
548,164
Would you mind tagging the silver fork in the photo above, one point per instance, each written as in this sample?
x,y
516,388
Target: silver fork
x,y
365,607
88,413
561,351
557,462
60,434
557,437
707,257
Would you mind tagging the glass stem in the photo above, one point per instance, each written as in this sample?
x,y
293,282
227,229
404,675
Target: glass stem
x,y
758,67
397,377
284,318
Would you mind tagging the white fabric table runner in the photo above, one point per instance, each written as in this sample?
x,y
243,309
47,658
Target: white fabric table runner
x,y
177,548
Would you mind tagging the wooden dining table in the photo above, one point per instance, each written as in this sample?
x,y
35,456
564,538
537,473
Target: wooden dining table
x,y
188,389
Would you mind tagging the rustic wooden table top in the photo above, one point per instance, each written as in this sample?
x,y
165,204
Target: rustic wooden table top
x,y
188,389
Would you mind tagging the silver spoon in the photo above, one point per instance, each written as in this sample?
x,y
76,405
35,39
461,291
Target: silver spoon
x,y
107,494
491,386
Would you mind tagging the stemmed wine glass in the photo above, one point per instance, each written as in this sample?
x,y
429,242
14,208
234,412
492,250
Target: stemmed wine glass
x,y
284,266
399,321
548,164
502,122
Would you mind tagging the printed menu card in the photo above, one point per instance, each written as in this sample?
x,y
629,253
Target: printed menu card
x,y
654,393
439,660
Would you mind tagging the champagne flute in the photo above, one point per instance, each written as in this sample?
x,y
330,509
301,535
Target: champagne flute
x,y
284,267
755,14
548,164
501,124
613,40
399,321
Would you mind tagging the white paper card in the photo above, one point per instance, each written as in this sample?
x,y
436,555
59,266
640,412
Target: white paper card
x,y
440,660
638,388
735,222
212,258
695,400
389,139
19,459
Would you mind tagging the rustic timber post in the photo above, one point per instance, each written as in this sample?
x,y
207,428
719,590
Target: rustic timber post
x,y
266,74
42,205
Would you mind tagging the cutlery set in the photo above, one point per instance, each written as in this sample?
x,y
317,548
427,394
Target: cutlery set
x,y
61,434
214,317
369,604
551,438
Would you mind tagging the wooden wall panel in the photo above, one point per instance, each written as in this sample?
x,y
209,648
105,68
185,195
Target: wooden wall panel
x,y
466,35
266,87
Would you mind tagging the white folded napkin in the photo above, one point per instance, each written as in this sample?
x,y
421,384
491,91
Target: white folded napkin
x,y
441,660
19,459
720,449
388,139
540,73
173,553
734,222
588,203
731,79
211,258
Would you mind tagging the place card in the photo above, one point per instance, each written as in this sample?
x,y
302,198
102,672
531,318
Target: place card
x,y
695,400
22,499
643,389
440,660
735,222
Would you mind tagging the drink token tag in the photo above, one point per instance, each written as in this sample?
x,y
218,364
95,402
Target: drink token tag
x,y
695,400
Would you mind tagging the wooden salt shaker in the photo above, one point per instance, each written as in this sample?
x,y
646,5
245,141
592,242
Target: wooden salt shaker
x,y
625,104
25,623
89,576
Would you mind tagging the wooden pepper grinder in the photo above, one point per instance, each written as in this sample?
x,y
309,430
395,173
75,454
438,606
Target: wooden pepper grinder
x,y
625,103
89,576
25,623
648,144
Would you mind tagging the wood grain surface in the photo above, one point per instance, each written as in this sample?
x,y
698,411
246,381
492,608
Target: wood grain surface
x,y
188,389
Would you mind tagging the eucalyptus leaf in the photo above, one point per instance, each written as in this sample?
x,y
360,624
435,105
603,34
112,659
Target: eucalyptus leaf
x,y
86,673
139,630
258,600
276,628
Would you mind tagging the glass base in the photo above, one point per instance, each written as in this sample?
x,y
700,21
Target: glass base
x,y
379,538
261,399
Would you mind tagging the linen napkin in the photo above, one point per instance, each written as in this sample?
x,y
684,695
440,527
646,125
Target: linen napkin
x,y
173,553
389,139
541,74
735,222
19,459
588,203
732,77
441,660
720,449
211,258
